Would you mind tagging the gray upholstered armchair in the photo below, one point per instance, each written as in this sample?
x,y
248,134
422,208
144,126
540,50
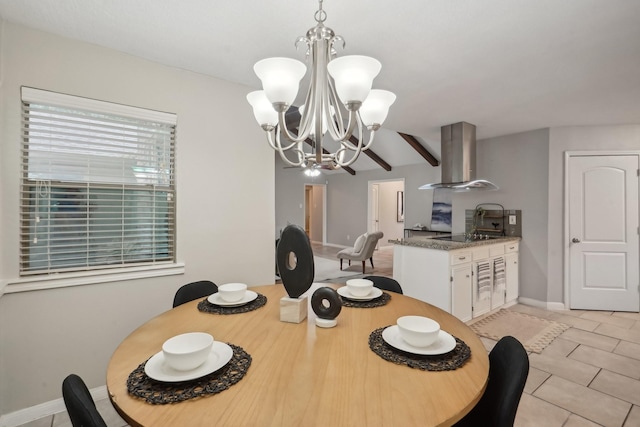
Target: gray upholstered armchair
x,y
362,249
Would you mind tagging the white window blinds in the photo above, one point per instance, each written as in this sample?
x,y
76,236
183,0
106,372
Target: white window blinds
x,y
97,184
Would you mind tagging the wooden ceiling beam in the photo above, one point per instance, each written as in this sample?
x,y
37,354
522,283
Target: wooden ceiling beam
x,y
421,149
372,155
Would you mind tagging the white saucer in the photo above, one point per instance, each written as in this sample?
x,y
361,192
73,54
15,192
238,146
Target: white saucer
x,y
444,344
247,298
157,369
344,292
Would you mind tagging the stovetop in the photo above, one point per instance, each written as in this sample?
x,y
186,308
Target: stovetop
x,y
464,238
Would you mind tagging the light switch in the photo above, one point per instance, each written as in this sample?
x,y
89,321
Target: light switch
x,y
512,220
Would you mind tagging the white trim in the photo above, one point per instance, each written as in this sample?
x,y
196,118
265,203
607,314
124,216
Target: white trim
x,y
63,280
30,94
542,304
45,409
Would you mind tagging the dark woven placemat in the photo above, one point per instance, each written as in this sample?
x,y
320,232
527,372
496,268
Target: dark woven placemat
x,y
442,362
206,307
160,393
376,302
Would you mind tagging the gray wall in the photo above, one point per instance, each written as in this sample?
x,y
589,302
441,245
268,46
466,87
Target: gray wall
x,y
225,200
347,197
518,164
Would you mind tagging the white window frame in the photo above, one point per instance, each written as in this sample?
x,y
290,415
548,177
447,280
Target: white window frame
x,y
56,277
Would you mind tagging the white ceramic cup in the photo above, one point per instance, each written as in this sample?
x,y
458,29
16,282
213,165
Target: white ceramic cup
x,y
232,292
418,331
359,287
187,351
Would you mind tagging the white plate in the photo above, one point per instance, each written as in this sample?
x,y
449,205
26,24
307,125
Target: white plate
x,y
217,300
157,368
344,292
444,344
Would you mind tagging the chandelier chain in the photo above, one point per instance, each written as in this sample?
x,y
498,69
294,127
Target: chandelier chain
x,y
320,14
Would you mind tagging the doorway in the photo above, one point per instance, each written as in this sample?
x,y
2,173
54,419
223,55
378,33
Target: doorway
x,y
315,212
602,253
386,205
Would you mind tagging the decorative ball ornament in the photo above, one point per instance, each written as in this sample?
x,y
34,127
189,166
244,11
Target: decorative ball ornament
x,y
295,260
326,304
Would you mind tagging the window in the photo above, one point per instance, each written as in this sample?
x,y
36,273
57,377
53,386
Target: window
x,y
98,188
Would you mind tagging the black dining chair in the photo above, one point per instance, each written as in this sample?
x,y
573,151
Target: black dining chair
x,y
508,371
194,290
385,283
80,405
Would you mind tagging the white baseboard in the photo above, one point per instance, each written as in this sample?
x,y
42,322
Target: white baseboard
x,y
542,304
45,409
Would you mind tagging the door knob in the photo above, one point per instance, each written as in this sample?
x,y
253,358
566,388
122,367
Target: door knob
x,y
575,240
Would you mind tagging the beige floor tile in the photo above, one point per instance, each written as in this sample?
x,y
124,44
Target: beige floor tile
x,y
534,412
41,422
606,317
572,370
589,338
534,311
535,378
488,343
636,326
627,315
111,417
61,420
560,347
617,385
628,349
610,361
633,420
631,335
590,404
577,421
576,322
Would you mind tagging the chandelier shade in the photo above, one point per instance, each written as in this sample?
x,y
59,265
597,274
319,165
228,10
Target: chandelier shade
x,y
339,102
280,78
375,108
353,76
262,109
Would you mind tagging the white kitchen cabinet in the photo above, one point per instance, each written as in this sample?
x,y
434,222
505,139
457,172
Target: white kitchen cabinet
x,y
461,295
449,279
512,274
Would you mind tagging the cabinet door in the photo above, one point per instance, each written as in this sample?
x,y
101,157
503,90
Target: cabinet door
x,y
461,294
499,282
512,276
482,286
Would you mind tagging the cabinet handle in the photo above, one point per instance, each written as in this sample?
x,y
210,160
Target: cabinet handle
x,y
462,258
512,247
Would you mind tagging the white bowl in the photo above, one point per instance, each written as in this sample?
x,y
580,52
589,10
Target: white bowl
x,y
187,351
359,287
232,292
418,331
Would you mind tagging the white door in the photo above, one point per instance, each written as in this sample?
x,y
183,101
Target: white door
x,y
461,292
603,232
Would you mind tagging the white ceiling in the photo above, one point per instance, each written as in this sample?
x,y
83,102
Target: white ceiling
x,y
506,66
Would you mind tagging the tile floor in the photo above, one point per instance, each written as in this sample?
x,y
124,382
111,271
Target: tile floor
x,y
589,376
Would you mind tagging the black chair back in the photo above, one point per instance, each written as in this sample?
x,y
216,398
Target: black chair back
x,y
508,371
80,405
385,283
194,290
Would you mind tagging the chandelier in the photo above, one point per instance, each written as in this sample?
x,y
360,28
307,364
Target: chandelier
x,y
338,101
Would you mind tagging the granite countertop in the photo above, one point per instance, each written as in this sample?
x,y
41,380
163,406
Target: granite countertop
x,y
446,245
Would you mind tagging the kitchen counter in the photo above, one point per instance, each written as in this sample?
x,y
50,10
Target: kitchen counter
x,y
446,245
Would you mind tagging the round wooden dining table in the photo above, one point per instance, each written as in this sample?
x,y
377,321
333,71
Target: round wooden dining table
x,y
303,375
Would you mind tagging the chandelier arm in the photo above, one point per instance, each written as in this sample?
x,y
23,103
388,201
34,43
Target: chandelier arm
x,y
334,124
277,145
300,153
357,150
284,132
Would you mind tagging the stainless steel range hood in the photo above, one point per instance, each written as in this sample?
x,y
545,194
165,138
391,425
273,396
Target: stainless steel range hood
x,y
458,154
